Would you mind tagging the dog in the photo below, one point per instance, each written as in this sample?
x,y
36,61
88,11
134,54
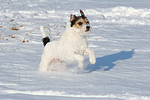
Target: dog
x,y
72,46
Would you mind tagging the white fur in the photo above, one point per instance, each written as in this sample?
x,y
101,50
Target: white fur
x,y
71,47
43,31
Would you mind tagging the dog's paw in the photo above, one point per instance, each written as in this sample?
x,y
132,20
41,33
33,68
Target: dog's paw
x,y
92,60
81,65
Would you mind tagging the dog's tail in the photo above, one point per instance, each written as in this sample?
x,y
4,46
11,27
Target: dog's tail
x,y
45,39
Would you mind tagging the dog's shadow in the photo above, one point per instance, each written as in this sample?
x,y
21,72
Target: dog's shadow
x,y
106,63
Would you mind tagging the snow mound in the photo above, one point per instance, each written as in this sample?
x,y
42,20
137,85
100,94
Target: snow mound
x,y
121,15
126,96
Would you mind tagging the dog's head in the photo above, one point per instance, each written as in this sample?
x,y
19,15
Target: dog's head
x,y
80,23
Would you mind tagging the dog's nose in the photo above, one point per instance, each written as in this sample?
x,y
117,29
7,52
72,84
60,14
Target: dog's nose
x,y
87,27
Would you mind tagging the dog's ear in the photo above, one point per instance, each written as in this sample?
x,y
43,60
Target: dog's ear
x,y
82,13
72,17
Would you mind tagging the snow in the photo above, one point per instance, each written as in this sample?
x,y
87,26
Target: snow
x,y
120,38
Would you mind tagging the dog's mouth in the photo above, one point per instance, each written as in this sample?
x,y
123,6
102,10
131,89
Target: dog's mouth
x,y
87,30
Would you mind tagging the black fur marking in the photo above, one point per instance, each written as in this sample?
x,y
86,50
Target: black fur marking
x,y
84,17
76,19
46,40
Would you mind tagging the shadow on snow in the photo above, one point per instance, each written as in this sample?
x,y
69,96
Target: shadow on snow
x,y
107,62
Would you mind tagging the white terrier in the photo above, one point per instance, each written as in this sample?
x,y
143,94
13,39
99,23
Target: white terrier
x,y
71,46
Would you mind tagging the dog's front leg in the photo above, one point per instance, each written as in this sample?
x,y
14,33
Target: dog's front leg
x,y
91,54
80,60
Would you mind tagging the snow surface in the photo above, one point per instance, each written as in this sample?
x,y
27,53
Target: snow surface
x,y
120,38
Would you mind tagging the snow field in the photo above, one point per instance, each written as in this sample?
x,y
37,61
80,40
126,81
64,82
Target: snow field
x,y
120,38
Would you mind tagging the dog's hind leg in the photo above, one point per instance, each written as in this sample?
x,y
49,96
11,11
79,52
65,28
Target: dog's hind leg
x,y
45,38
45,63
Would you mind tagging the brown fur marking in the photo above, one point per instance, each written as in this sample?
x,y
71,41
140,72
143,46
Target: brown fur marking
x,y
84,21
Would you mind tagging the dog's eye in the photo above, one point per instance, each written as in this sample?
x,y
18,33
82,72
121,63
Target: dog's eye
x,y
87,22
80,23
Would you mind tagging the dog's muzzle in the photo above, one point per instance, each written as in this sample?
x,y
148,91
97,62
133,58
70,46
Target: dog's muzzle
x,y
87,28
